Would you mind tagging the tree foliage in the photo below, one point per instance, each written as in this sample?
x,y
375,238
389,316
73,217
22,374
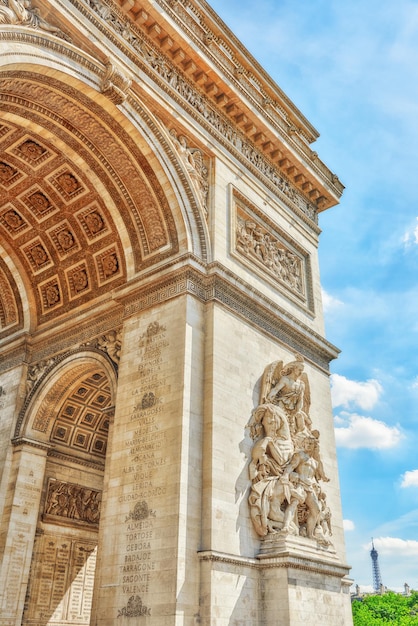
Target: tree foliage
x,y
389,608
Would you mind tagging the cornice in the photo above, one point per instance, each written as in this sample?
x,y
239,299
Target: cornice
x,y
19,442
181,276
15,353
312,564
277,148
218,284
73,331
69,458
238,74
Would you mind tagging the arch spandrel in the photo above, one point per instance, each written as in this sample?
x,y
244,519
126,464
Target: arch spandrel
x,y
91,196
45,402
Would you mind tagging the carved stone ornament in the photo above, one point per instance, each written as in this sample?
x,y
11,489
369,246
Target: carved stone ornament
x,y
192,159
35,372
22,13
256,243
110,343
134,608
70,501
286,470
114,84
140,512
175,80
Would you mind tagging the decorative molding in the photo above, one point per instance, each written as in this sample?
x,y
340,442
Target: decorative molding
x,y
58,391
222,286
115,85
70,458
314,564
25,441
64,339
227,53
143,52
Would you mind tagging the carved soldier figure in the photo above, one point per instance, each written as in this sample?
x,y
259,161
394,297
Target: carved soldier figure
x,y
304,467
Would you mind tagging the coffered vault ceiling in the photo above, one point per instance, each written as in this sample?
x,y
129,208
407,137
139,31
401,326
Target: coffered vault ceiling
x,y
81,210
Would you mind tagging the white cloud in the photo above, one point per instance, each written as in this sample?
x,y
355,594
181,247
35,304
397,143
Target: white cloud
x,y
410,479
395,546
346,392
365,432
348,525
411,236
330,303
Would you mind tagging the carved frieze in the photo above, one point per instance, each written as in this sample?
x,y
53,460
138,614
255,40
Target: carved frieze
x,y
72,502
18,13
176,80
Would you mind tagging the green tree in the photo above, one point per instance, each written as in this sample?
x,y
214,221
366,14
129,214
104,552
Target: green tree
x,y
388,608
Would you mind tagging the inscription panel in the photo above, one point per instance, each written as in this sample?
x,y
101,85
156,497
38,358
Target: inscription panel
x,y
62,580
144,470
142,511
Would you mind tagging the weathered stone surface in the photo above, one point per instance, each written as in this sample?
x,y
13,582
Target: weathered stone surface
x,y
165,458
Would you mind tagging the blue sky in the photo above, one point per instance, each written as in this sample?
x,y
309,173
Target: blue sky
x,y
352,69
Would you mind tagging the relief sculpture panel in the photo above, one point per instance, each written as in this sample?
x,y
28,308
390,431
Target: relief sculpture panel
x,y
286,470
267,249
67,501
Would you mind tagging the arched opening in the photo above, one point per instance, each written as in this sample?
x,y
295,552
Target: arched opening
x,y
62,571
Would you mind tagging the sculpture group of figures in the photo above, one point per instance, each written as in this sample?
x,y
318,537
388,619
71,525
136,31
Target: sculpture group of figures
x,y
22,13
253,240
73,502
286,470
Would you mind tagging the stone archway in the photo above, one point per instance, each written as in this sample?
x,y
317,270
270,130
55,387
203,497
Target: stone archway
x,y
63,564
59,459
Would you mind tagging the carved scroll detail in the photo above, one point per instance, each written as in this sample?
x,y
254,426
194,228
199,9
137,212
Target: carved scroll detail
x,y
115,85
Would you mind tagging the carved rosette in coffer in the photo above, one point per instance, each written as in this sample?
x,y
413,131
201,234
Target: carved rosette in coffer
x,y
270,252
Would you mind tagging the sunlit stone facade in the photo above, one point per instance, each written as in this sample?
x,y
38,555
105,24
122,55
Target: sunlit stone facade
x,y
162,354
